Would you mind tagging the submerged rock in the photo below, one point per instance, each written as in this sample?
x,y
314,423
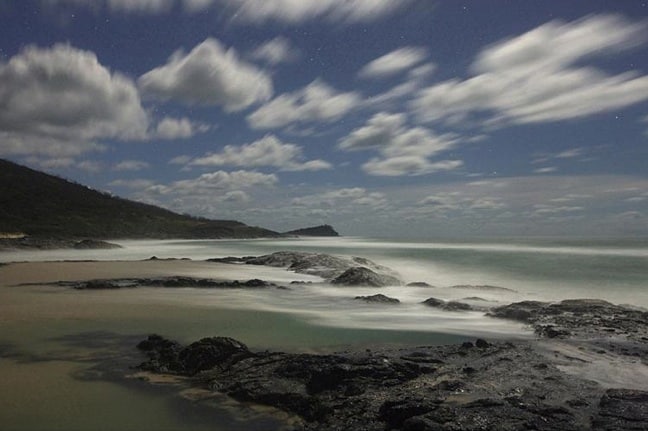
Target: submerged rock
x,y
447,306
90,244
379,299
418,284
360,276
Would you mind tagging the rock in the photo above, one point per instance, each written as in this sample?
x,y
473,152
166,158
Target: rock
x,y
508,386
622,409
323,265
171,282
447,306
210,352
418,284
434,302
91,244
378,299
456,306
485,287
360,276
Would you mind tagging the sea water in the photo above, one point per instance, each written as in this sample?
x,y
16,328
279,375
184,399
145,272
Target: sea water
x,y
51,338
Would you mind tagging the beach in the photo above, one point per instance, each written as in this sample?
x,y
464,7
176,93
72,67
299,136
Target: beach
x,y
68,354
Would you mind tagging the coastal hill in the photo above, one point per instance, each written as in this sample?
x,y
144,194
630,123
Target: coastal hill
x,y
40,205
323,230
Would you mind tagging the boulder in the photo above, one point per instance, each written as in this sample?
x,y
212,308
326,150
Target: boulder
x,y
361,276
378,299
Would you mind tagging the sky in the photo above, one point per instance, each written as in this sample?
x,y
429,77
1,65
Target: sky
x,y
383,118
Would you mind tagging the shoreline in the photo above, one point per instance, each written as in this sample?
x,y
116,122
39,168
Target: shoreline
x,y
592,356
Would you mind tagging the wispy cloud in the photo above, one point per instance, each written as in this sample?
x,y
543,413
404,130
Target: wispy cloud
x,y
395,62
317,102
539,76
403,150
267,151
276,51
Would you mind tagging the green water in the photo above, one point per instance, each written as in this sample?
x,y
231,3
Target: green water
x,y
63,354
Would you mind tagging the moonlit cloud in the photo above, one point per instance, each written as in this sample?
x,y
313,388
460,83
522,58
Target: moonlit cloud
x,y
395,62
267,151
404,150
317,102
297,11
276,51
131,165
178,128
209,74
540,77
61,99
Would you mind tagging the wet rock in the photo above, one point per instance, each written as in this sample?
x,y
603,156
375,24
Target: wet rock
x,y
622,409
447,306
174,282
492,386
418,284
360,276
484,287
378,299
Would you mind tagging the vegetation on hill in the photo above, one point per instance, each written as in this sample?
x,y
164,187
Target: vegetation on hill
x,y
323,230
42,205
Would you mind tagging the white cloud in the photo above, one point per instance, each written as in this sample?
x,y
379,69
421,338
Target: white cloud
x,y
267,151
317,102
408,165
539,76
296,11
238,196
178,128
91,166
342,200
459,201
404,150
275,51
136,184
546,170
59,100
148,6
256,11
215,181
395,62
208,75
131,165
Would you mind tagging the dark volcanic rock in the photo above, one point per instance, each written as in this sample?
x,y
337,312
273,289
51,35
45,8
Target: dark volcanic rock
x,y
582,317
319,264
418,284
484,287
622,409
360,276
448,306
378,299
493,386
177,281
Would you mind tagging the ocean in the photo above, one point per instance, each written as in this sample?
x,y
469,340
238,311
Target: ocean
x,y
54,342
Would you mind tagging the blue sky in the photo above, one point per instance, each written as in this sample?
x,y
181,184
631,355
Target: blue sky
x,y
414,118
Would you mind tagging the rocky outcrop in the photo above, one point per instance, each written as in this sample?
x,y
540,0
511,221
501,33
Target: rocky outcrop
x,y
178,281
93,244
361,276
323,230
378,299
483,287
472,386
581,317
323,265
27,243
447,306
